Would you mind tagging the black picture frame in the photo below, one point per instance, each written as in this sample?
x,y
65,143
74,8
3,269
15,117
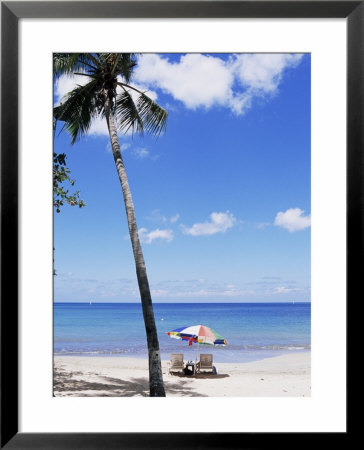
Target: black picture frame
x,y
11,12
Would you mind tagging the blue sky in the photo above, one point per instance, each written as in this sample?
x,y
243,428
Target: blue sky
x,y
222,199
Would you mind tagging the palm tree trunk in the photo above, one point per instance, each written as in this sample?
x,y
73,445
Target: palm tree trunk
x,y
156,385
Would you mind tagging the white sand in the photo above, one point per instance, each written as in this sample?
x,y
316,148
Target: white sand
x,y
283,376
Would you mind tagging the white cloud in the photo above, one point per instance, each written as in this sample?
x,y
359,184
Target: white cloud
x,y
219,223
157,216
148,237
140,153
204,81
263,72
239,103
124,146
292,220
98,127
213,292
262,225
196,80
174,218
285,290
260,75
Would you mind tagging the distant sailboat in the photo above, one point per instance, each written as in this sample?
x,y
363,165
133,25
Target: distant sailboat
x,y
90,302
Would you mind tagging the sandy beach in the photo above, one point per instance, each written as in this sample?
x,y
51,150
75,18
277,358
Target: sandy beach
x,y
282,376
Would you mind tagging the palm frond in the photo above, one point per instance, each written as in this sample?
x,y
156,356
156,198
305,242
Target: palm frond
x,y
127,113
125,66
116,61
65,63
78,110
102,57
154,117
135,111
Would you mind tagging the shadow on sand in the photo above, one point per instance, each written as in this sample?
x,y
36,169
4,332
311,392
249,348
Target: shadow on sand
x,y
72,384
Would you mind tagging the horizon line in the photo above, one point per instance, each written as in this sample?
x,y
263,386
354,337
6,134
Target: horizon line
x,y
189,302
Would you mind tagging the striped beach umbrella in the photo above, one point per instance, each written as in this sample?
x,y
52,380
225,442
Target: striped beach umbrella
x,y
200,334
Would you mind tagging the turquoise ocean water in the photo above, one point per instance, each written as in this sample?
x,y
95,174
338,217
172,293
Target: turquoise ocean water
x,y
253,330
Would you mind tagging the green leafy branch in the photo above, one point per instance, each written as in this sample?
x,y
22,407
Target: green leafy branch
x,y
61,174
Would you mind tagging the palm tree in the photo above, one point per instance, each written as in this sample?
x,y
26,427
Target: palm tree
x,y
107,93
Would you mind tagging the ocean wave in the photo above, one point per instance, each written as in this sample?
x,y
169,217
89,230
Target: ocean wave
x,y
270,347
95,352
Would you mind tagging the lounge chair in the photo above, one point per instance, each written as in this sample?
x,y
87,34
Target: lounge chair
x,y
205,363
176,363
